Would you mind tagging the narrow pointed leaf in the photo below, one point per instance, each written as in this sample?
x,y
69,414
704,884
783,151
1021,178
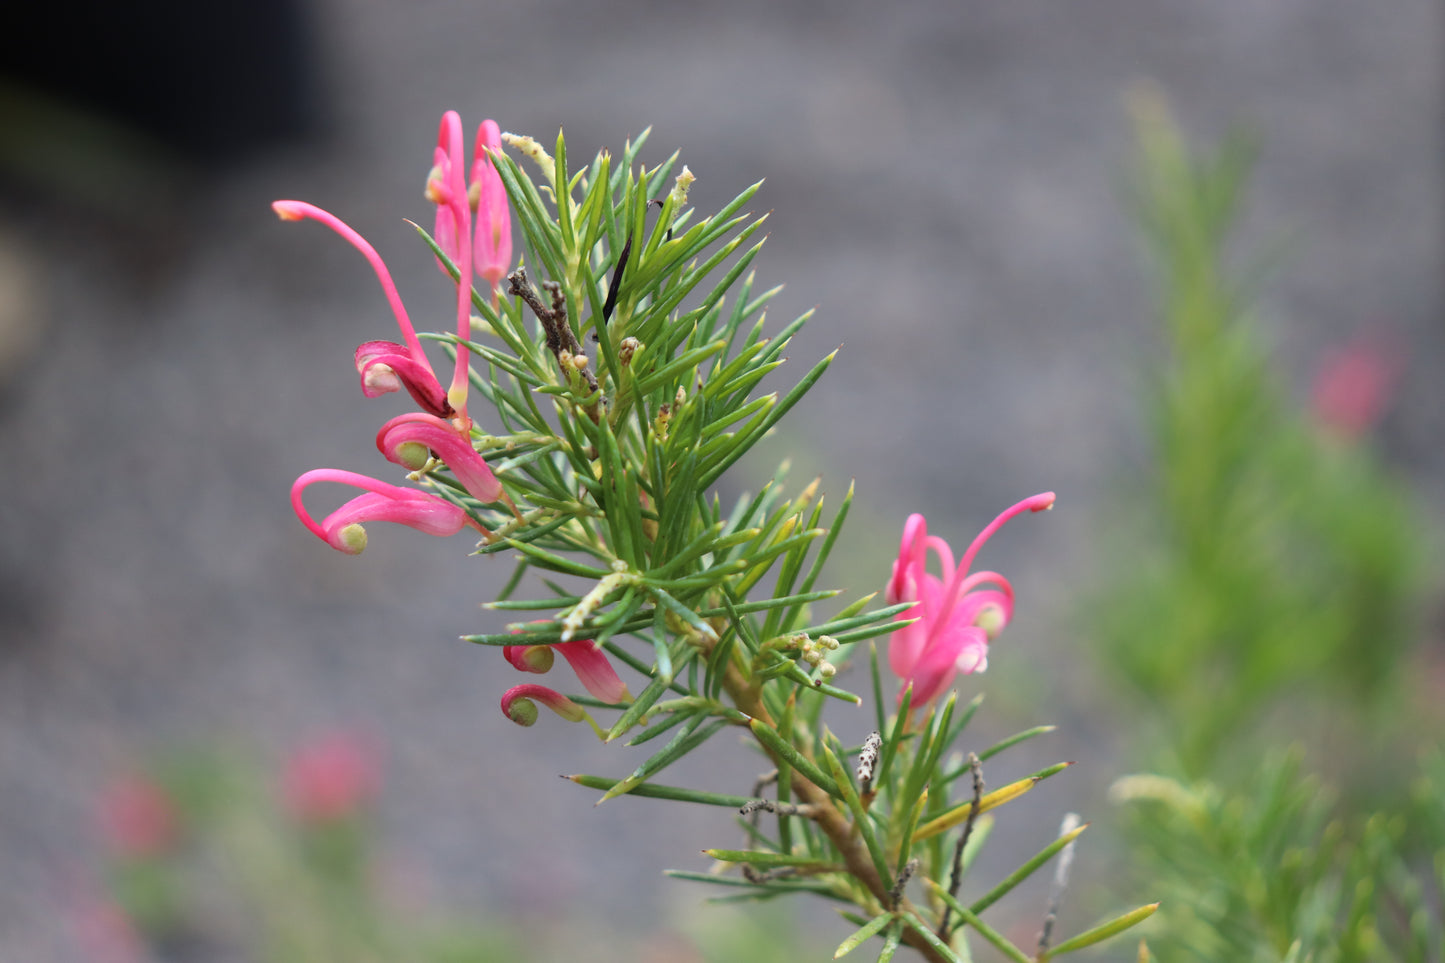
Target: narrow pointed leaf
x,y
770,737
931,938
993,800
1026,870
654,791
769,860
1106,930
870,929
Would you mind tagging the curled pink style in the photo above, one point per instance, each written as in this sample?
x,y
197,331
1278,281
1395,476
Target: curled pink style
x,y
343,530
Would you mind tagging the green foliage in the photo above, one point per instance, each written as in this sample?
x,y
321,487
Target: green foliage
x,y
1267,557
1268,874
625,386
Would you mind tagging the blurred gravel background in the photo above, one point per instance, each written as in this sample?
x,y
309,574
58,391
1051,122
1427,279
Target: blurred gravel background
x,y
945,180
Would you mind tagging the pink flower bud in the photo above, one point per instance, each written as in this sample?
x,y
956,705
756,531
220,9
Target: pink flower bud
x,y
587,660
494,221
519,704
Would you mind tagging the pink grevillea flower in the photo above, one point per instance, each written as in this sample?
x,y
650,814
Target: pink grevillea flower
x,y
590,663
446,188
384,366
956,615
493,247
486,202
331,778
1352,387
519,703
343,530
410,439
138,818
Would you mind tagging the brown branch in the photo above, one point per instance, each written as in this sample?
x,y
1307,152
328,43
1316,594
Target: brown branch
x,y
563,344
833,822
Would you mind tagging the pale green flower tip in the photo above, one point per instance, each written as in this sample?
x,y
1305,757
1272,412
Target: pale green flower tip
x,y
413,455
351,539
523,712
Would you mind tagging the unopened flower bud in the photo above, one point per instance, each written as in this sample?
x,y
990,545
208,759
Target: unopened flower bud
x,y
680,188
519,704
626,348
827,670
533,152
578,362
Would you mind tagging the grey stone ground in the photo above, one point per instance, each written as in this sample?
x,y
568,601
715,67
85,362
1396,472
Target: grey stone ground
x,y
944,179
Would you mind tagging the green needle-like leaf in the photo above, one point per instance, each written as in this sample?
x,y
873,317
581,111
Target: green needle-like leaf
x,y
993,800
689,737
1104,931
891,941
767,860
786,752
654,791
931,938
1000,942
870,929
1026,870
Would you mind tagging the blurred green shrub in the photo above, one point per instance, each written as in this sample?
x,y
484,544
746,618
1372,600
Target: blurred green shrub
x,y
1269,555
1265,874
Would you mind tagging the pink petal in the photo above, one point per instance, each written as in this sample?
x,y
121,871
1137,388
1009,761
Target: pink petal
x,y
529,658
385,366
594,671
449,443
494,220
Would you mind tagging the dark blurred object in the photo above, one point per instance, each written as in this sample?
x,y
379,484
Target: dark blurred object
x,y
212,83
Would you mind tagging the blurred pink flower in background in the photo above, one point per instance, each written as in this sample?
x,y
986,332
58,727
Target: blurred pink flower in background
x,y
331,777
105,933
1352,387
956,616
138,818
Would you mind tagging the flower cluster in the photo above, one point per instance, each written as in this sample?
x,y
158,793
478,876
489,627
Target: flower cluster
x,y
441,432
587,661
473,230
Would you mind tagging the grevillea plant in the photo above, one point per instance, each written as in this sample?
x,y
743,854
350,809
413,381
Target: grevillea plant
x,y
619,363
